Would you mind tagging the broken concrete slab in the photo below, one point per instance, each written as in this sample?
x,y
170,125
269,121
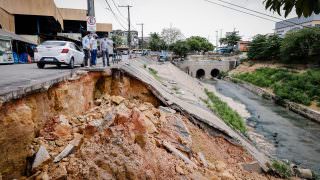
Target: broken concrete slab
x,y
41,157
69,148
176,152
252,167
167,109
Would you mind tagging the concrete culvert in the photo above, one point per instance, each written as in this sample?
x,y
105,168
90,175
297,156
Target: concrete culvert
x,y
215,72
200,73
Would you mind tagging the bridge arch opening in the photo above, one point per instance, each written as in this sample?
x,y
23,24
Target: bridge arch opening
x,y
200,73
215,72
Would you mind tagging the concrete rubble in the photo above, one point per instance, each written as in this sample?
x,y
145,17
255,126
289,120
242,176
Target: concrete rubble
x,y
130,139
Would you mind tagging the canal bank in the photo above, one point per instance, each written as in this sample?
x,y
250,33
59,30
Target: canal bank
x,y
277,131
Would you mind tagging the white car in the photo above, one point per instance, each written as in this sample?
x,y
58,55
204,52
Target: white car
x,y
58,53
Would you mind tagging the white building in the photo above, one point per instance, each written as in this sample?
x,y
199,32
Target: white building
x,y
296,23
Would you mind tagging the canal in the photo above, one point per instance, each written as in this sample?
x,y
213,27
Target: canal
x,y
277,131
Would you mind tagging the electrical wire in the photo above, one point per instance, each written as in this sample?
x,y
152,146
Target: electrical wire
x,y
115,16
262,13
245,12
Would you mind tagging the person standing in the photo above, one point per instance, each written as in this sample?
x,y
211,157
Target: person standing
x,y
104,47
93,48
86,48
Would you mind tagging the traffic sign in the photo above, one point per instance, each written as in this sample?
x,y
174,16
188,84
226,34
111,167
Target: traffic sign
x,y
91,24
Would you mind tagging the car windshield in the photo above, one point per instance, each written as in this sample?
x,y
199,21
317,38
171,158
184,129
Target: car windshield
x,y
53,43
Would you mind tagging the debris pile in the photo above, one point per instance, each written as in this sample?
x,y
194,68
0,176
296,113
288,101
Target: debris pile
x,y
130,139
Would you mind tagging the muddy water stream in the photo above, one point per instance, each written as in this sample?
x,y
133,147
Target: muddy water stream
x,y
277,131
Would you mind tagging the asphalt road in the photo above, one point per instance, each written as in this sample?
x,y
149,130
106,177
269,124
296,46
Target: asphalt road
x,y
16,76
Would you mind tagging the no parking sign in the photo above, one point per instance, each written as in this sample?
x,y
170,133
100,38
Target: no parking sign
x,y
91,24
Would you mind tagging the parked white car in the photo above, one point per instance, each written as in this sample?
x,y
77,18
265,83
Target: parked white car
x,y
58,53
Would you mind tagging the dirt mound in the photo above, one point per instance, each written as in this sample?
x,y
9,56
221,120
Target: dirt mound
x,y
130,139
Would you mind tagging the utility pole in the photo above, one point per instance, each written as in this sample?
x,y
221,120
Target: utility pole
x,y
129,29
220,35
141,24
90,11
217,38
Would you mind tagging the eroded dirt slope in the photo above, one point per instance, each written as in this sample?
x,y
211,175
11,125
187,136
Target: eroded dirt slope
x,y
131,139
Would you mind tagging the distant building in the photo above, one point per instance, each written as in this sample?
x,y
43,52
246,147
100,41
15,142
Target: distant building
x,y
243,46
124,37
296,23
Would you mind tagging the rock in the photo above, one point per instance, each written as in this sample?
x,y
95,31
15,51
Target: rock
x,y
304,173
97,102
70,147
60,173
63,120
178,153
96,123
41,157
62,131
252,167
226,176
167,109
220,166
150,127
117,99
67,150
59,142
179,170
203,159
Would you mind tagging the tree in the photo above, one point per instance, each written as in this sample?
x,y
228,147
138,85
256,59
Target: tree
x,y
117,40
302,7
301,46
230,39
180,48
156,42
171,35
265,47
198,43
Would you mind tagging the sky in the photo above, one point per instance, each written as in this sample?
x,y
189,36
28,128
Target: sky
x,y
192,17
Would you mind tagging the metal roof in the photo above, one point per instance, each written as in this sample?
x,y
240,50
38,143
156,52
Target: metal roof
x,y
14,36
296,20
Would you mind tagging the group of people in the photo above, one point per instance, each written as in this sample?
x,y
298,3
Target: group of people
x,y
90,48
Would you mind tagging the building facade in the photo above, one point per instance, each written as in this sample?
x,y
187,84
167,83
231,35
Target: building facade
x,y
124,37
35,19
296,23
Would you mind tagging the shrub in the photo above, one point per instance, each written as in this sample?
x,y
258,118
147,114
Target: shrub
x,y
301,46
228,115
282,169
297,87
265,47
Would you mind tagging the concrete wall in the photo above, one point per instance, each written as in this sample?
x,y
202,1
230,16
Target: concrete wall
x,y
7,21
73,14
32,7
191,67
104,27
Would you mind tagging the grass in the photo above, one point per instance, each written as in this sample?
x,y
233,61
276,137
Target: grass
x,y
144,66
297,87
228,115
282,169
154,73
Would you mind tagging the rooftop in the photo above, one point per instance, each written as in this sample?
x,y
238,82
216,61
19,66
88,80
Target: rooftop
x,y
296,20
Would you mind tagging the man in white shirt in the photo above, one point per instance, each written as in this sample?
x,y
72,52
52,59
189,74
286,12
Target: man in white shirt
x,y
93,49
105,44
86,48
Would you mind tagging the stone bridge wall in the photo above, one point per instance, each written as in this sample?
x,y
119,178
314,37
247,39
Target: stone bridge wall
x,y
209,67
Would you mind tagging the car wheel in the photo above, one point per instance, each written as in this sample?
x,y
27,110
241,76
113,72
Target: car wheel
x,y
58,65
71,64
40,65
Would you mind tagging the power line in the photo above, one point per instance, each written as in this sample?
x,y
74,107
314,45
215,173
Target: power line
x,y
129,25
240,11
119,10
261,13
244,12
115,16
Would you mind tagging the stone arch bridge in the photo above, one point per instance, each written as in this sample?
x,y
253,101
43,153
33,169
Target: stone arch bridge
x,y
206,69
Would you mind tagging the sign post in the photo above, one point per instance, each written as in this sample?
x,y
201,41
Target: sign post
x,y
91,24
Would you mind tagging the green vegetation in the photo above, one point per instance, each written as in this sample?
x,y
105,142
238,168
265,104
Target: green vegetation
x,y
180,48
144,66
156,42
231,39
305,7
265,47
297,87
282,169
154,73
302,46
117,40
228,115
